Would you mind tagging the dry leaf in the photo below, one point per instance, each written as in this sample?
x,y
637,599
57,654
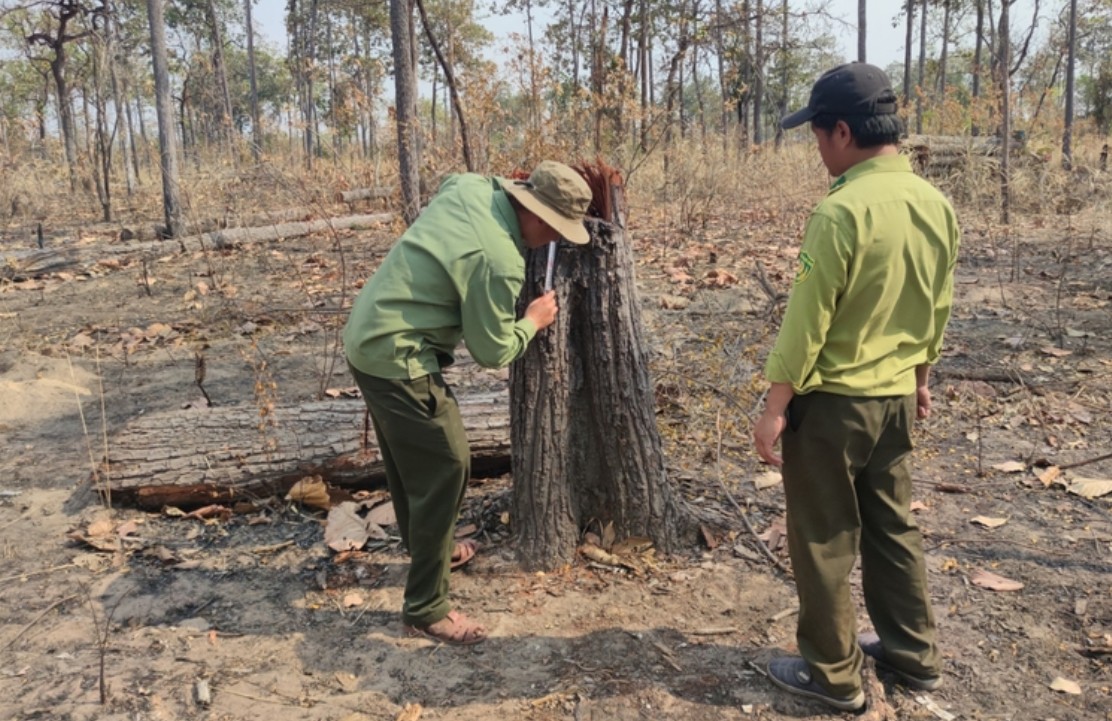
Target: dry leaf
x,y
918,506
1064,685
383,514
310,491
767,480
1090,487
126,529
988,521
1055,352
1010,467
1049,475
352,600
103,527
345,530
993,582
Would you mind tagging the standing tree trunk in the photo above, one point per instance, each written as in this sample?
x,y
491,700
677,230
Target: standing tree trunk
x,y
978,47
861,31
1067,132
167,140
908,36
585,444
256,130
405,105
783,109
1003,39
921,89
758,73
943,56
221,77
450,80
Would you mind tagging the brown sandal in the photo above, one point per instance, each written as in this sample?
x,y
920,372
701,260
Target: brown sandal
x,y
454,629
462,554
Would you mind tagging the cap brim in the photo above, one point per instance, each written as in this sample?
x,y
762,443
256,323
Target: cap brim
x,y
799,117
571,230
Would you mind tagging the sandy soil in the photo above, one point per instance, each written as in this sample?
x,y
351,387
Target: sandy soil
x,y
256,609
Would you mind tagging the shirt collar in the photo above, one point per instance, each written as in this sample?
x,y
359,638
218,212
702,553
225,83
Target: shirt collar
x,y
877,164
505,215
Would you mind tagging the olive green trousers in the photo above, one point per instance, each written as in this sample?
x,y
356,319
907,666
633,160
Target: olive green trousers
x,y
848,491
428,462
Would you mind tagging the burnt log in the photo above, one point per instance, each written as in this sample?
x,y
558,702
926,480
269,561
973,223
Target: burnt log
x,y
21,265
586,446
202,455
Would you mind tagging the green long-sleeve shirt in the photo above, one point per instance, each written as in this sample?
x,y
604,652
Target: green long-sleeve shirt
x,y
875,284
455,273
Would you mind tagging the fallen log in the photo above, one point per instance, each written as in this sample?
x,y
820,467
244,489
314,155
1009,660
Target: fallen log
x,y
156,231
350,196
198,456
25,264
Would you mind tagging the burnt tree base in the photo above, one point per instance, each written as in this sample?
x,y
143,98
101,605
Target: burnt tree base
x,y
586,446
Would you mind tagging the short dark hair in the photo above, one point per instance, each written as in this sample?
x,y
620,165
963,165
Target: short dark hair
x,y
868,131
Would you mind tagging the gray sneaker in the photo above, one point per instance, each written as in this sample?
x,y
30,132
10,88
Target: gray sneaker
x,y
874,649
792,674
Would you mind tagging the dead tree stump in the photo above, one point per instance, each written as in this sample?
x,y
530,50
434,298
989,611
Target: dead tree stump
x,y
585,445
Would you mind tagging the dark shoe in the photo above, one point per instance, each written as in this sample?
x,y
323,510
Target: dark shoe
x,y
792,674
871,645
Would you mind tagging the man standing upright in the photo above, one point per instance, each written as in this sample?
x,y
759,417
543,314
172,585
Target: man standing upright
x,y
455,273
848,376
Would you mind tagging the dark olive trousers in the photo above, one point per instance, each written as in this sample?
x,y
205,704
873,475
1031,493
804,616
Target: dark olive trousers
x,y
848,490
428,461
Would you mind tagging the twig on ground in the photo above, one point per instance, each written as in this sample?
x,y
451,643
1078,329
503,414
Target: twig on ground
x,y
38,618
39,572
713,631
741,511
1086,462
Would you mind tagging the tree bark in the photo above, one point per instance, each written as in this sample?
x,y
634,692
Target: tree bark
x,y
405,92
205,455
1067,132
586,447
167,139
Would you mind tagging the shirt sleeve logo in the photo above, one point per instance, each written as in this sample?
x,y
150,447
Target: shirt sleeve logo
x,y
806,265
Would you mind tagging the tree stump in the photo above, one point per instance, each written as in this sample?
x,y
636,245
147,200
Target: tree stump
x,y
585,445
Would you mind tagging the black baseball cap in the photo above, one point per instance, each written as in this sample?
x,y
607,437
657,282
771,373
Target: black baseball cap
x,y
850,89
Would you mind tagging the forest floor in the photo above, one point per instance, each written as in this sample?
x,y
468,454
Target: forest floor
x,y
257,608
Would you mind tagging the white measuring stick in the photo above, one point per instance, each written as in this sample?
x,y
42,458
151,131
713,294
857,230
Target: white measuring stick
x,y
551,266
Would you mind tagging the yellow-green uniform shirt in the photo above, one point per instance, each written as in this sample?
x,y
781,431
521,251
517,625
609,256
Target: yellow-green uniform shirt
x,y
455,273
874,288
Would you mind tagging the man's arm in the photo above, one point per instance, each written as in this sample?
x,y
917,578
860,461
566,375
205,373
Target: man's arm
x,y
772,422
922,391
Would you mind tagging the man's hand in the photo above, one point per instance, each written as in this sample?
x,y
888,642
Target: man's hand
x,y
922,402
542,311
766,433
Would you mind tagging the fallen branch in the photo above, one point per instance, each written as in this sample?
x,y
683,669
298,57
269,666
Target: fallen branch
x,y
38,618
